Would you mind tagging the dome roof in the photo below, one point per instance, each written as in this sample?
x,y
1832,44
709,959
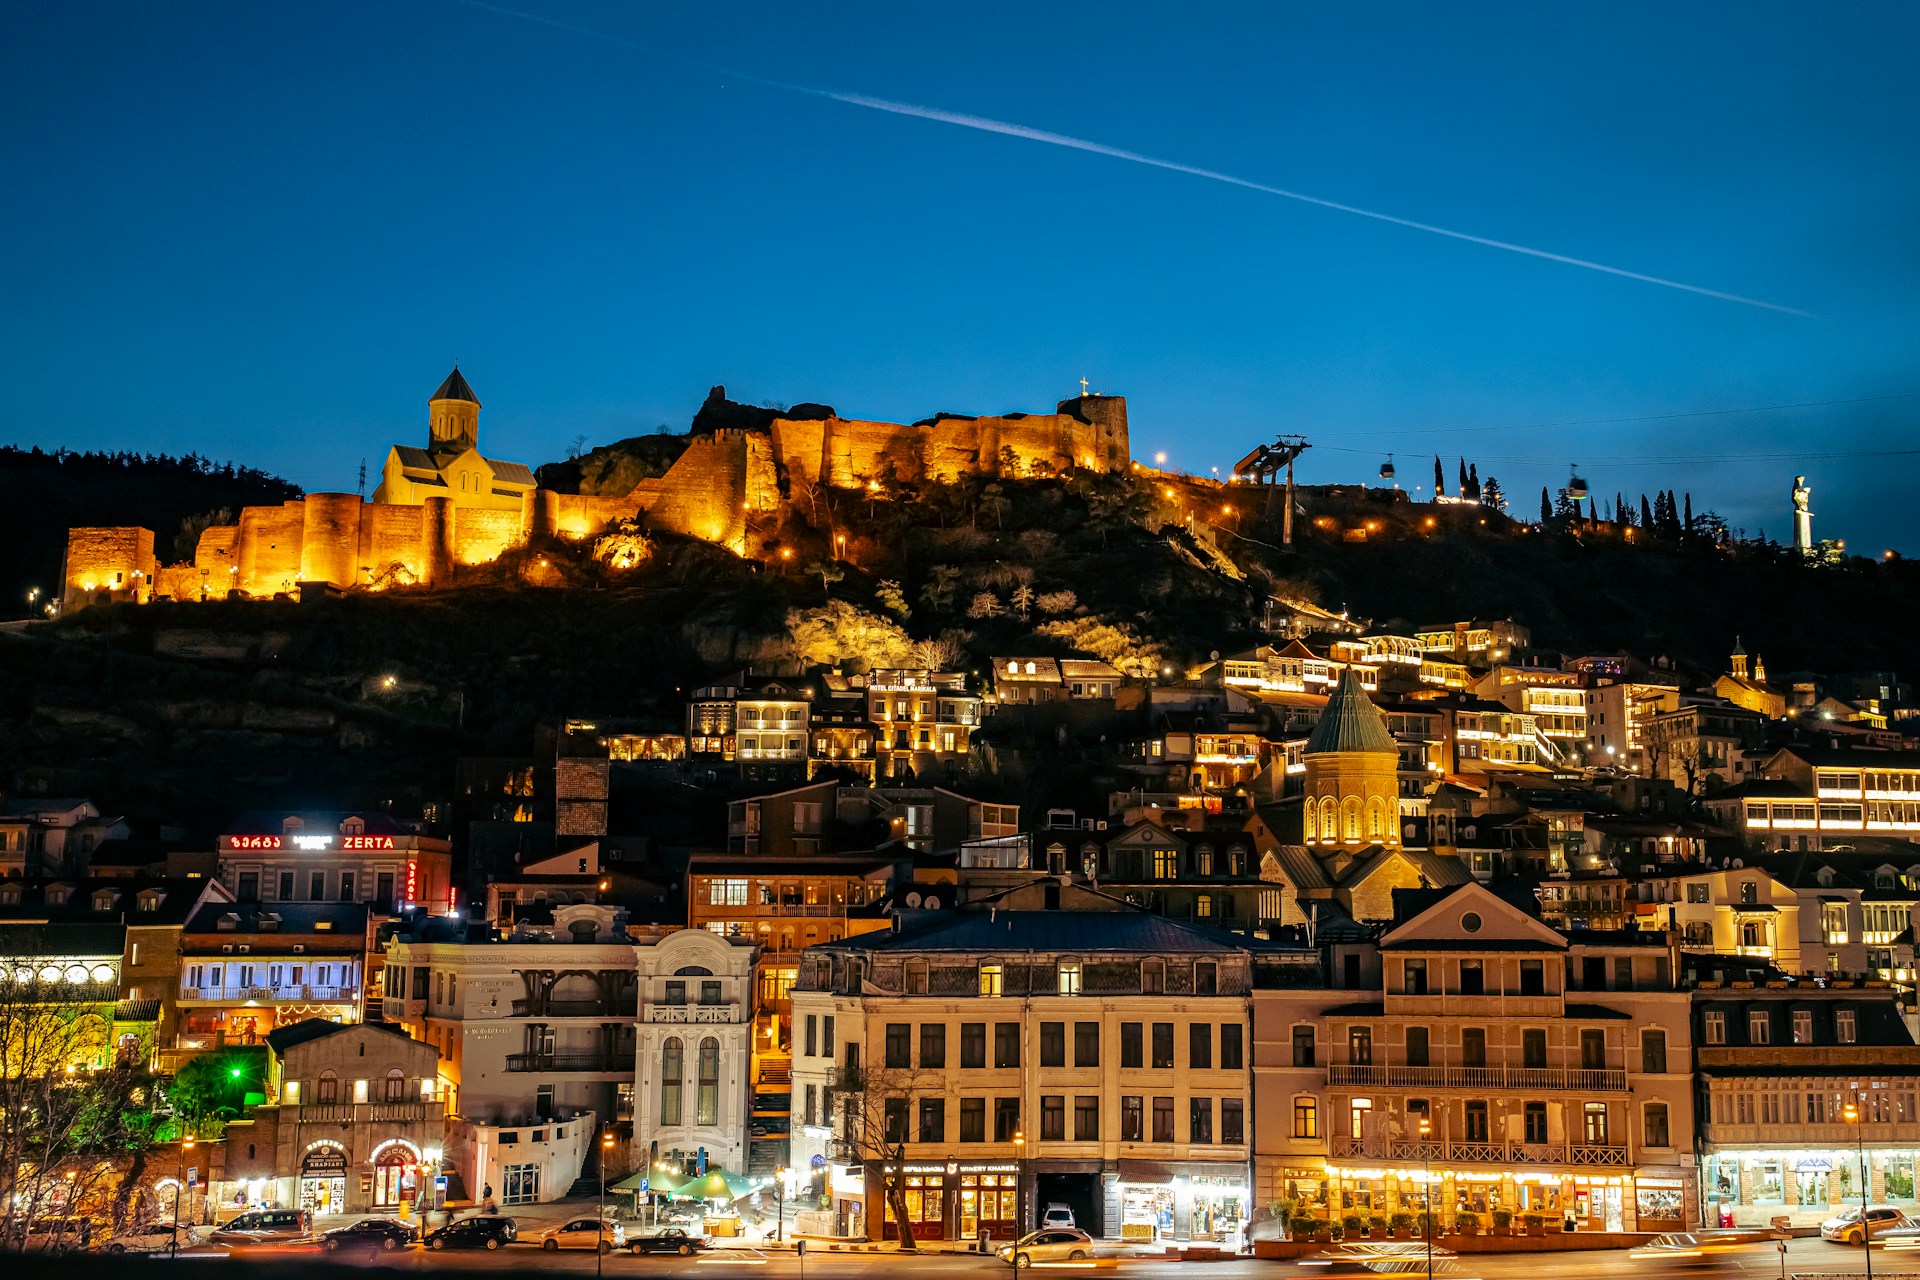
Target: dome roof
x,y
455,388
1351,722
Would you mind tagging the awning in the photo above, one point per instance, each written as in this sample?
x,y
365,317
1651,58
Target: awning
x,y
1154,1171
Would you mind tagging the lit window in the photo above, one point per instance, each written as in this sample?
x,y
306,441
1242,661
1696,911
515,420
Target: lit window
x,y
990,979
1069,978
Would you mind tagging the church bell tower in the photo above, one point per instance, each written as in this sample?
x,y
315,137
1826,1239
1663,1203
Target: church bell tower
x,y
453,416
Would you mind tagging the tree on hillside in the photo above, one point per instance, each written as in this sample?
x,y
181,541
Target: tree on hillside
x,y
828,571
838,632
1646,514
892,598
940,653
1686,521
1057,602
942,581
1473,481
1439,478
186,541
1022,600
1111,642
1492,497
1546,505
994,501
984,604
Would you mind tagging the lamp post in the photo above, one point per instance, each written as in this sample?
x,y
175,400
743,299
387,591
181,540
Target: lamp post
x,y
173,1243
1426,1190
1019,1194
1856,1116
600,1246
780,1206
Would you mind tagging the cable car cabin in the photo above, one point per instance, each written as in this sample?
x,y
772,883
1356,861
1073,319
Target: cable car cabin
x,y
1386,468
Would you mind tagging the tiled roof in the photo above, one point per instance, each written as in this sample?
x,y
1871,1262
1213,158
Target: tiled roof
x,y
455,388
1350,722
1047,931
511,472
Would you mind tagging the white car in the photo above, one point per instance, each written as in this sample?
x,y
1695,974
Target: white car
x,y
1847,1228
1057,1215
585,1233
156,1237
1049,1244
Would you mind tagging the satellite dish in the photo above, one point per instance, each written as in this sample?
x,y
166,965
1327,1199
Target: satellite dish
x,y
913,899
932,903
1213,655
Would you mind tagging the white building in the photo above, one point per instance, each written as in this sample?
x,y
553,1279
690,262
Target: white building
x,y
693,1046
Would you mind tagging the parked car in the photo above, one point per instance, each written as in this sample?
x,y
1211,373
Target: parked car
x,y
57,1235
388,1235
158,1237
585,1233
1847,1227
1057,1215
672,1240
264,1226
1049,1244
486,1231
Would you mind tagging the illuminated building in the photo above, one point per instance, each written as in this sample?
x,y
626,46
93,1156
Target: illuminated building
x,y
922,720
1553,698
1553,1077
249,968
452,466
1113,1044
1812,798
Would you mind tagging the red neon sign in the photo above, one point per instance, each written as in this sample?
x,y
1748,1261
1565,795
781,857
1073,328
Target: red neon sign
x,y
366,842
413,880
253,842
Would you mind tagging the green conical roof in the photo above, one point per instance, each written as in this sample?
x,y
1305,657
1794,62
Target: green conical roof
x,y
455,388
1351,722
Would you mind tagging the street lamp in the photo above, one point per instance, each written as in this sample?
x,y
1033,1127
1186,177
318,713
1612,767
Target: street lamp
x,y
779,1205
600,1246
173,1243
1019,1194
1426,1189
1855,1117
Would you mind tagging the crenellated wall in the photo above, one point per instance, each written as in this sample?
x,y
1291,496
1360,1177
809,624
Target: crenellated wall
x,y
722,479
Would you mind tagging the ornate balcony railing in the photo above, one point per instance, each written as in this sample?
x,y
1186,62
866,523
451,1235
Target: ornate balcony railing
x,y
710,1013
1448,1151
1540,1079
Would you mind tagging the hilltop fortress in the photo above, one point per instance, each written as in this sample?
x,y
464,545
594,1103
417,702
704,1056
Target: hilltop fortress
x,y
447,504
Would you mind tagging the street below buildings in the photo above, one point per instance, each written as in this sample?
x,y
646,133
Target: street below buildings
x,y
1806,1258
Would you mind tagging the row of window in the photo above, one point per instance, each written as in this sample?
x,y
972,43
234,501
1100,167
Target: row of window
x,y
1476,1124
326,1088
1142,1119
346,886
1846,1026
1417,1047
236,975
1811,1106
1134,1041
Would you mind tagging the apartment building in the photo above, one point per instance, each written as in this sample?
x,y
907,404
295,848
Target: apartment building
x,y
922,720
246,969
1814,798
1023,1058
1799,1084
1475,1060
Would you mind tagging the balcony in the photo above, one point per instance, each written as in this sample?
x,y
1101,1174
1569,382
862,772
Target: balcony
x,y
1451,1151
271,995
527,1008
362,1112
1537,1079
1492,1004
599,1063
709,1013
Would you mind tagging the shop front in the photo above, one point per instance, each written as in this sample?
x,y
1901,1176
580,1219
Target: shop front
x,y
1751,1186
396,1174
1537,1199
1153,1200
953,1200
323,1178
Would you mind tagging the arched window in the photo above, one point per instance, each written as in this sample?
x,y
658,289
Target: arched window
x,y
693,971
709,1102
1376,822
1308,825
1350,811
1329,818
671,1056
327,1088
396,1086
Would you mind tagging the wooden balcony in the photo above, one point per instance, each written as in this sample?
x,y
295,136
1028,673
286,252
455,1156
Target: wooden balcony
x,y
699,1013
1536,1079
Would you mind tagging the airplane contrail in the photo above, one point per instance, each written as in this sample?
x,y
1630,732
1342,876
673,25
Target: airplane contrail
x,y
987,124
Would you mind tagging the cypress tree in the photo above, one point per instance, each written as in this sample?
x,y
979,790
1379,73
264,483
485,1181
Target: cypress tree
x,y
1439,477
1546,505
1646,515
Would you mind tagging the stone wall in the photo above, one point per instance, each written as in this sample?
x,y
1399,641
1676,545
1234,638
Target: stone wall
x,y
1089,433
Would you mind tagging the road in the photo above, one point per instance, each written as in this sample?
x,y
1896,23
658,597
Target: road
x,y
1805,1258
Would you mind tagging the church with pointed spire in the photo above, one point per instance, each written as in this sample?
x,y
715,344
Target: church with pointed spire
x,y
452,466
1352,784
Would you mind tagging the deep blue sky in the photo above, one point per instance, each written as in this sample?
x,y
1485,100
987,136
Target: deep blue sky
x,y
263,231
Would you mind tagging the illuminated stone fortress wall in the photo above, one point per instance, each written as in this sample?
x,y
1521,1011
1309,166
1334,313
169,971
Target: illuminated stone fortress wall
x,y
722,479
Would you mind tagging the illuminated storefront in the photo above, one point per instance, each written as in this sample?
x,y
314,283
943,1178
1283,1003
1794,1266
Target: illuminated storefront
x,y
1581,1200
1753,1185
956,1201
1180,1201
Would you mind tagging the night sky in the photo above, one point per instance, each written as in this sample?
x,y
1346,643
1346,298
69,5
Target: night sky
x,y
264,231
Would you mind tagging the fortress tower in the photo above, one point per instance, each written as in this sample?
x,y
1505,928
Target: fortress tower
x,y
452,466
1352,783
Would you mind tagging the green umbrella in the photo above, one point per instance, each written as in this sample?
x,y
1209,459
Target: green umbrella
x,y
719,1184
658,1180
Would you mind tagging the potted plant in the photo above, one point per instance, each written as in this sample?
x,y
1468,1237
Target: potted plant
x,y
1377,1226
1307,1228
1350,1226
1466,1224
1401,1224
1503,1222
1429,1225
1533,1224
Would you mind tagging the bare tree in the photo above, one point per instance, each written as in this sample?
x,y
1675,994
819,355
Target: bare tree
x,y
873,1111
76,1106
